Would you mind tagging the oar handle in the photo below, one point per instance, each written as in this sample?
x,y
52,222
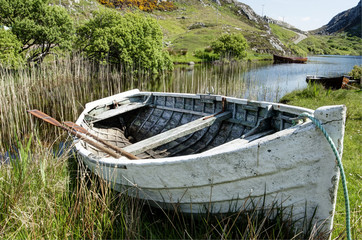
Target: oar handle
x,y
54,122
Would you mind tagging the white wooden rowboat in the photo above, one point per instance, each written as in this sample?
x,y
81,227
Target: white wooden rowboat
x,y
212,153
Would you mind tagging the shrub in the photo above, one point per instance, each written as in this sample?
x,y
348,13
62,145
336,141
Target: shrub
x,y
206,55
356,72
10,47
230,45
132,40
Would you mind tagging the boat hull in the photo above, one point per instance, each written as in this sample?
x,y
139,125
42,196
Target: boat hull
x,y
283,59
292,167
330,82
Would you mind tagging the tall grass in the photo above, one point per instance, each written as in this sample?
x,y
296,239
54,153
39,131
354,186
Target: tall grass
x,y
60,88
44,194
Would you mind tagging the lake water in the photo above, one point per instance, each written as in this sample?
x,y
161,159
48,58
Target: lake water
x,y
257,81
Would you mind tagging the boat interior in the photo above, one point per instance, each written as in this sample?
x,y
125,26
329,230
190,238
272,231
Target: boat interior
x,y
166,125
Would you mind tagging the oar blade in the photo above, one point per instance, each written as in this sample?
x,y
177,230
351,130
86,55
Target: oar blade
x,y
76,127
44,117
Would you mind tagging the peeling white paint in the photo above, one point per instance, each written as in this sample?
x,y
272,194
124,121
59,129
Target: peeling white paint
x,y
295,166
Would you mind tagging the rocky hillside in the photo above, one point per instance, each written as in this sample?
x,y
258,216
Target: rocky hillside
x,y
196,23
190,29
347,21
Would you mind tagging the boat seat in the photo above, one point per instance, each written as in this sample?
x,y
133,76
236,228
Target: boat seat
x,y
263,124
117,111
175,133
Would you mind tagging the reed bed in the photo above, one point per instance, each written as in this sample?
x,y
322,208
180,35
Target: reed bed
x,y
46,193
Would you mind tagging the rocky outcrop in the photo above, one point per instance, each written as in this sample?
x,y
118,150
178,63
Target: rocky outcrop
x,y
347,21
274,45
246,10
283,24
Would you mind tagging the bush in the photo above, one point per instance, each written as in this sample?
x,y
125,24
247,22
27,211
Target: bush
x,y
230,46
206,55
131,40
10,47
356,72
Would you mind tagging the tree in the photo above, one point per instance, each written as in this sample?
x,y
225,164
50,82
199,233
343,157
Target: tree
x,y
39,26
230,45
132,40
9,48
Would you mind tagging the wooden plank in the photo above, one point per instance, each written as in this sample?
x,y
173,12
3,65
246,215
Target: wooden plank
x,y
180,110
175,133
117,111
241,141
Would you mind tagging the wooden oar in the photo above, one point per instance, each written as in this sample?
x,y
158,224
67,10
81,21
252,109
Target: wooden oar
x,y
54,122
80,129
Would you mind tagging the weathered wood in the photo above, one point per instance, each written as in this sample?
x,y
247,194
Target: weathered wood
x,y
181,110
117,111
53,121
82,130
240,141
175,133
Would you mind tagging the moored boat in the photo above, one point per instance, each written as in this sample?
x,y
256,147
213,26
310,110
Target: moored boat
x,y
285,59
329,82
210,153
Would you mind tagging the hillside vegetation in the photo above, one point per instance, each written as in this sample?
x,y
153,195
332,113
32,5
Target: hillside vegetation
x,y
190,27
338,44
193,24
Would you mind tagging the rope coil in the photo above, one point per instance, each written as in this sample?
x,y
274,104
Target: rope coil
x,y
339,161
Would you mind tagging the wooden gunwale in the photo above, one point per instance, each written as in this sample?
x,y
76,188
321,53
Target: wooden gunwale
x,y
246,121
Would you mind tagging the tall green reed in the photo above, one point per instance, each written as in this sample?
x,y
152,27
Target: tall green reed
x,y
61,89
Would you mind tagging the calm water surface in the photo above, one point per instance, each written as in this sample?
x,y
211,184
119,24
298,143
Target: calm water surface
x,y
256,81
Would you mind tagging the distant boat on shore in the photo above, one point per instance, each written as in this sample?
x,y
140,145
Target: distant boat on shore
x,y
330,82
284,59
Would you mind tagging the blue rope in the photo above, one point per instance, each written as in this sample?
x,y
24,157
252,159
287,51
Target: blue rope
x,y
343,177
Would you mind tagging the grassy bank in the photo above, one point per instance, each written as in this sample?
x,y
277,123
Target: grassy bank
x,y
47,195
315,96
340,44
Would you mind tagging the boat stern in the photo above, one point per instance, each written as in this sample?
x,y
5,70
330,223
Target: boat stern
x,y
333,120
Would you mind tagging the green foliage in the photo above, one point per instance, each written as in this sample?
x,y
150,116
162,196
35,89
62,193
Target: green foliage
x,y
356,72
285,35
132,40
230,45
340,44
10,47
38,26
206,56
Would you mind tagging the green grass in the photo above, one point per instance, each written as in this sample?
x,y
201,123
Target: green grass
x,y
217,20
315,96
287,37
284,35
340,44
